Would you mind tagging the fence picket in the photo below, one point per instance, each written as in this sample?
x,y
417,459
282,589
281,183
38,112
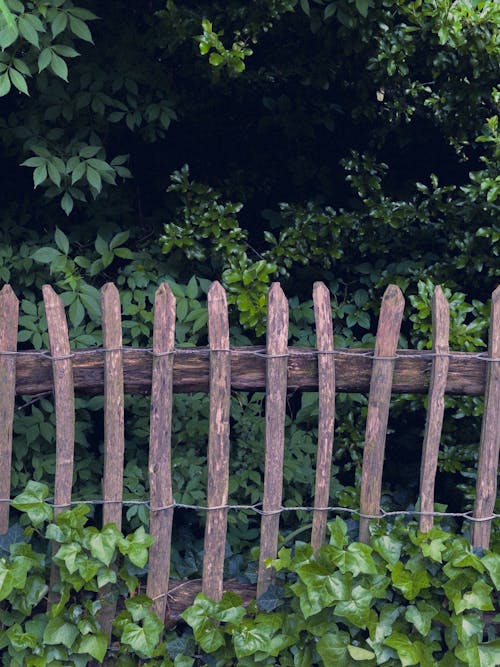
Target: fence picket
x,y
326,418
389,325
9,313
114,439
487,470
276,382
435,409
114,436
64,397
218,443
160,470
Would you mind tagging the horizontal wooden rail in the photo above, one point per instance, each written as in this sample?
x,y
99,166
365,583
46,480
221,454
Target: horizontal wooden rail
x,y
412,371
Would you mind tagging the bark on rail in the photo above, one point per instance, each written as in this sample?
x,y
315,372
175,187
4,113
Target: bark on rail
x,y
466,375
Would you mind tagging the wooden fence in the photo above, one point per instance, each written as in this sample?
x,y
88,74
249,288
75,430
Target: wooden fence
x,y
114,370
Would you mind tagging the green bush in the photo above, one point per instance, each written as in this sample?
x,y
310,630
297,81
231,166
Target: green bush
x,y
407,599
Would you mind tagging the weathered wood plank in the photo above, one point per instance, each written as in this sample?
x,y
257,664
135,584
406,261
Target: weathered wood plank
x,y
114,428
466,374
487,470
9,313
160,470
276,381
435,409
64,397
326,418
218,443
114,436
389,325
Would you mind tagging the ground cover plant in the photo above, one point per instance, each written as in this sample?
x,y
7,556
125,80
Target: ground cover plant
x,y
407,599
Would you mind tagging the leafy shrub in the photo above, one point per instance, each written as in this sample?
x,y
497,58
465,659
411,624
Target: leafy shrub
x,y
408,599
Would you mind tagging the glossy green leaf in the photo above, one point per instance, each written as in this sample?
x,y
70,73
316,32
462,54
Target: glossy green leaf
x,y
5,84
95,645
80,29
59,23
59,631
67,203
58,66
18,81
27,31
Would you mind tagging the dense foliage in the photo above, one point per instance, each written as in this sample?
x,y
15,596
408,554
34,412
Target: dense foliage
x,y
408,599
351,141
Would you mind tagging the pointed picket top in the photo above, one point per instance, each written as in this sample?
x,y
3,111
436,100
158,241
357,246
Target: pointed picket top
x,y
487,470
435,411
386,342
218,443
326,418
218,323
9,314
64,397
164,311
276,389
160,433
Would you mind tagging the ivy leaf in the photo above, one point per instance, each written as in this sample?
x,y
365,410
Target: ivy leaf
x,y
332,649
477,598
95,645
409,583
249,639
31,501
357,609
491,561
143,639
59,631
482,655
103,544
388,547
421,616
407,652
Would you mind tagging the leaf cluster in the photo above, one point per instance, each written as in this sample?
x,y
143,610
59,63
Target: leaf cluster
x,y
406,599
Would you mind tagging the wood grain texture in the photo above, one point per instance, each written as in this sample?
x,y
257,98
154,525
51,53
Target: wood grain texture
x,y
114,431
218,443
114,437
276,383
389,325
64,397
435,410
160,467
487,470
9,314
326,418
466,374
